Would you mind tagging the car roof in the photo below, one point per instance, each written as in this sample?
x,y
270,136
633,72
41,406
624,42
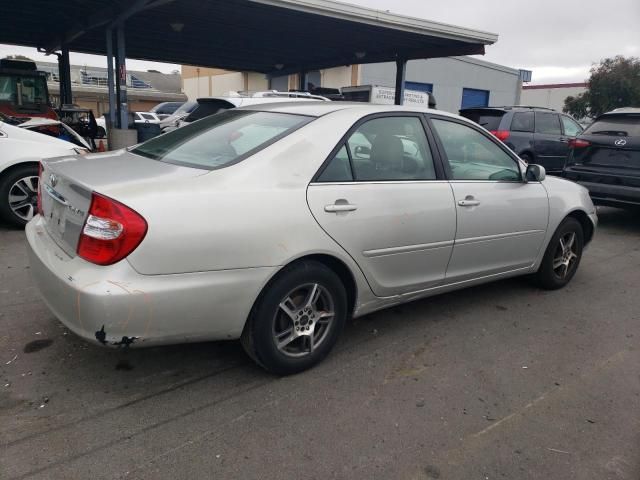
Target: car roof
x,y
623,111
508,108
318,109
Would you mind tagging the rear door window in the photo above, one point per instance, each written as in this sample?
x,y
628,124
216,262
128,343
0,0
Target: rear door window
x,y
571,128
522,122
548,123
487,119
221,140
622,126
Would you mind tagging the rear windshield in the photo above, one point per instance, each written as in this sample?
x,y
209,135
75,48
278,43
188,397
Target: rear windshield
x,y
221,139
623,126
489,120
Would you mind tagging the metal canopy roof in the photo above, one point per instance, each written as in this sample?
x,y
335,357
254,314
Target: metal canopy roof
x,y
269,36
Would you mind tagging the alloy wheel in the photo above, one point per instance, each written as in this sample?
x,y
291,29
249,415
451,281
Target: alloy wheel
x,y
23,197
565,256
303,320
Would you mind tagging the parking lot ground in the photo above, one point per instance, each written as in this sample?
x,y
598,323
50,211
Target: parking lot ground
x,y
498,381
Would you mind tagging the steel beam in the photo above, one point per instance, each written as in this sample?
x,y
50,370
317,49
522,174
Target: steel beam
x,y
401,72
123,106
110,79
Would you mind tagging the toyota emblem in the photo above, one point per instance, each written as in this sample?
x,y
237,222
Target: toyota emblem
x,y
53,180
621,142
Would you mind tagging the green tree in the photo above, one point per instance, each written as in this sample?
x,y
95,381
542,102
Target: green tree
x,y
614,83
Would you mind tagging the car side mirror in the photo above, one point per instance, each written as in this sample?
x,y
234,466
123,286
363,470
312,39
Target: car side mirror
x,y
535,173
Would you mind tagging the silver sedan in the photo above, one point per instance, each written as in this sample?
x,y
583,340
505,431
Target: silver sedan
x,y
276,223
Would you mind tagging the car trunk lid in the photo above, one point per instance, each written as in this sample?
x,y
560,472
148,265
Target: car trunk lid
x,y
67,184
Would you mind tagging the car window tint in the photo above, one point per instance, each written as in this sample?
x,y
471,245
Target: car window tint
x,y
391,148
338,169
548,123
221,139
522,122
571,128
472,156
616,125
488,119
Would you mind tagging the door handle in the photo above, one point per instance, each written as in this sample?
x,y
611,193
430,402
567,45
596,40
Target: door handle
x,y
340,207
469,201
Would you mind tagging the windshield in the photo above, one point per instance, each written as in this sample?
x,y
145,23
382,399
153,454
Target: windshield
x,y
222,139
623,126
26,92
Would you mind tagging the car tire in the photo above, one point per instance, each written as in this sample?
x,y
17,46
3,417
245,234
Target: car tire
x,y
101,133
526,158
10,182
297,319
562,256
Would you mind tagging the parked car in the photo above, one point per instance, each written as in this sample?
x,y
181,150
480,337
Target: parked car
x,y
165,109
209,106
605,158
538,135
145,117
172,120
20,153
298,216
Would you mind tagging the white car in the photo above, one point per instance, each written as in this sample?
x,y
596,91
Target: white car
x,y
20,153
275,223
211,105
145,117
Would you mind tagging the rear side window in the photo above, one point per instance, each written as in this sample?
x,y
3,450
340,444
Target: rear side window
x,y
548,123
488,120
623,126
571,128
221,140
522,122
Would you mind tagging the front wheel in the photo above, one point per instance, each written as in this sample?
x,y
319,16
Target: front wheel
x,y
297,320
562,257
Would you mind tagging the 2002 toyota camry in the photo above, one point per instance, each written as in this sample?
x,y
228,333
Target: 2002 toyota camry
x,y
276,223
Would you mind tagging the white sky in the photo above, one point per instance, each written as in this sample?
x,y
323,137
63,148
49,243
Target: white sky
x,y
558,39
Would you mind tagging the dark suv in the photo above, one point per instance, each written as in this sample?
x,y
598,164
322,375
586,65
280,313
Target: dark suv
x,y
538,135
605,158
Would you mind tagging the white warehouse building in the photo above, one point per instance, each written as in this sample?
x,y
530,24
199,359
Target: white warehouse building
x,y
455,82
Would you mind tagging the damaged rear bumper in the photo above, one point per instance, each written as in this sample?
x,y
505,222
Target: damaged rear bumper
x,y
117,306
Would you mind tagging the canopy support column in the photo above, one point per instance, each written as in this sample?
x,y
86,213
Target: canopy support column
x,y
121,91
110,79
64,73
401,71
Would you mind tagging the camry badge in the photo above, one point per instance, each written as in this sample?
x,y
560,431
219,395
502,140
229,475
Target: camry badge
x,y
53,180
621,142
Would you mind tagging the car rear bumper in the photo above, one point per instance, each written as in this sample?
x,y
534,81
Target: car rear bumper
x,y
117,306
604,194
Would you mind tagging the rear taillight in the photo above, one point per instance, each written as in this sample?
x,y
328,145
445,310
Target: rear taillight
x,y
578,143
40,189
111,231
501,135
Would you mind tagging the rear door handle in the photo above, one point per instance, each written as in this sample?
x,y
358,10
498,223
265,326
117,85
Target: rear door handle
x,y
340,207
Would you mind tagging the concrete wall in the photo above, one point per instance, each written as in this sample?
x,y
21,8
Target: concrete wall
x,y
336,77
449,76
550,96
209,82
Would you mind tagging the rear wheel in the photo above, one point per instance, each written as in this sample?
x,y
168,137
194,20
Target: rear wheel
x,y
19,195
562,256
297,320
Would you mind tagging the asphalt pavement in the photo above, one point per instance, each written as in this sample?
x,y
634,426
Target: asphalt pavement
x,y
501,381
